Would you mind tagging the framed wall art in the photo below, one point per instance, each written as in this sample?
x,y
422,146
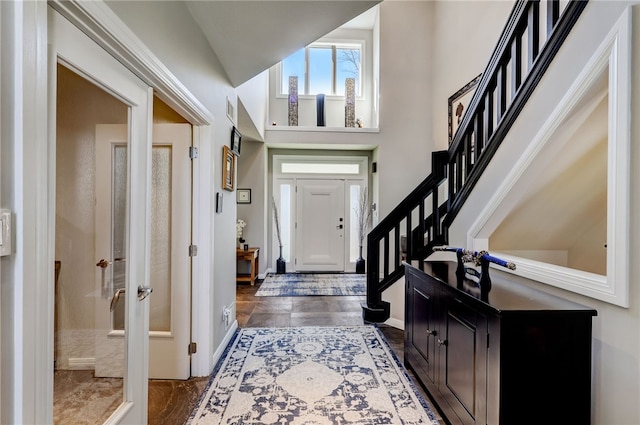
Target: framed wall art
x,y
458,104
236,138
243,196
228,169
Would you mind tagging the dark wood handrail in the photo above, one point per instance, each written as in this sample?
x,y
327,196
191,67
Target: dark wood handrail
x,y
502,92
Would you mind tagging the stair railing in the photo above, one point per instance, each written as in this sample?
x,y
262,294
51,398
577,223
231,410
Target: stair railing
x,y
526,48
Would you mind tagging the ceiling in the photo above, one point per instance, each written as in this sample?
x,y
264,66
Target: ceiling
x,y
249,37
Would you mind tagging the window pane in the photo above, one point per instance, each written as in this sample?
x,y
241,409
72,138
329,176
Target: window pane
x,y
354,241
348,66
319,168
320,70
285,220
293,66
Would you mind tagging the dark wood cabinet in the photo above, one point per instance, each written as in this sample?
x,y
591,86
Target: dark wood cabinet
x,y
514,356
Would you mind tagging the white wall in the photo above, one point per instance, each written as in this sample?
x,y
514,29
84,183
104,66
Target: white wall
x,y
253,106
616,334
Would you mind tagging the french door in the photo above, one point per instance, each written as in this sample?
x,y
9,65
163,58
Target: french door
x,y
128,224
170,278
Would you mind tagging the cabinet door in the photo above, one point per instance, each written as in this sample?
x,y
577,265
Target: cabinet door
x,y
420,335
463,362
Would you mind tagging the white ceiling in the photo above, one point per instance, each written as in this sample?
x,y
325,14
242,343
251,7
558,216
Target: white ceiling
x,y
249,37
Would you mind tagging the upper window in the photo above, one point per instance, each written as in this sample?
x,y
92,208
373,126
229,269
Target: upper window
x,y
322,68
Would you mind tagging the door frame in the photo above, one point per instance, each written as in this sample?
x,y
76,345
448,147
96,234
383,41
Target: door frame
x,y
31,297
279,177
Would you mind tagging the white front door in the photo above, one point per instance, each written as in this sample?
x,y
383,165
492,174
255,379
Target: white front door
x,y
129,225
320,225
170,237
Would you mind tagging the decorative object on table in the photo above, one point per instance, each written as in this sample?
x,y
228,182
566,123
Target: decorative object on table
x,y
457,104
311,375
218,202
240,225
478,258
350,102
313,284
293,100
228,169
246,247
243,196
359,122
363,217
236,138
320,110
281,264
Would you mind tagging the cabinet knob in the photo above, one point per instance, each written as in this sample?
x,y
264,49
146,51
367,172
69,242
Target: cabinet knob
x,y
430,332
442,342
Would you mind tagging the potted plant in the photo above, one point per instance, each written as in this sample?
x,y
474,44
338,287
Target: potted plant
x,y
363,216
281,265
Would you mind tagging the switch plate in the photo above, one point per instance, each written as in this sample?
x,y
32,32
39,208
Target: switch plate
x,y
5,232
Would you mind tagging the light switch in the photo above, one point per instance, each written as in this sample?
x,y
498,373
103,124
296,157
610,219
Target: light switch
x,y
5,232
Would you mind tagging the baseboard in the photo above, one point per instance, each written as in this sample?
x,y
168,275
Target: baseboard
x,y
82,363
395,323
223,345
264,275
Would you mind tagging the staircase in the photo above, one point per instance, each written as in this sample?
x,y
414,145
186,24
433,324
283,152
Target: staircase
x,y
421,221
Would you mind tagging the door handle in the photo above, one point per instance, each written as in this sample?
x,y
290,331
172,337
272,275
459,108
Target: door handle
x,y
144,292
115,298
103,264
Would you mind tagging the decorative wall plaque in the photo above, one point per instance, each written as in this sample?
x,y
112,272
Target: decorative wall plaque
x,y
293,100
350,102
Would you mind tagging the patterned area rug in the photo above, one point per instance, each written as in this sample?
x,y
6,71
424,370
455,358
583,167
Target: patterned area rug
x,y
302,284
311,376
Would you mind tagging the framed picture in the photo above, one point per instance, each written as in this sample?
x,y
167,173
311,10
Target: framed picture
x,y
243,196
236,138
228,169
457,105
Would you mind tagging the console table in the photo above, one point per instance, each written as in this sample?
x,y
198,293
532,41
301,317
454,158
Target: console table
x,y
496,358
252,256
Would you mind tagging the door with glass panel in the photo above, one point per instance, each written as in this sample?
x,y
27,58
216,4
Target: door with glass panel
x,y
170,226
108,93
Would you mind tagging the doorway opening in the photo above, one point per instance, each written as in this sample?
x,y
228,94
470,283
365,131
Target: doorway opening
x,y
317,197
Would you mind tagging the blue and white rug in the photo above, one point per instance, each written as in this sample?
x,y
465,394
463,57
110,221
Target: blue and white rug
x,y
311,376
302,284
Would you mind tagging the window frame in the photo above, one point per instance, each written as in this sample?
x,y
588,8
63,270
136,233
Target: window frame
x,y
334,44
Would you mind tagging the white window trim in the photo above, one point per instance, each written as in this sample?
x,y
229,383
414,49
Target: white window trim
x,y
612,56
330,42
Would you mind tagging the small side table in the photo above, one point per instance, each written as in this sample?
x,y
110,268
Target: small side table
x,y
252,256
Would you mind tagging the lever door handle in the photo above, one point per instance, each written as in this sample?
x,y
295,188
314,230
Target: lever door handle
x,y
144,292
116,297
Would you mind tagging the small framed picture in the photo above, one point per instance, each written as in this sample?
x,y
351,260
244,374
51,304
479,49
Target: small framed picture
x,y
236,138
243,196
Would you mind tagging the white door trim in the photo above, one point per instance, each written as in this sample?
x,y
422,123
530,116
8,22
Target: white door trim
x,y
360,179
